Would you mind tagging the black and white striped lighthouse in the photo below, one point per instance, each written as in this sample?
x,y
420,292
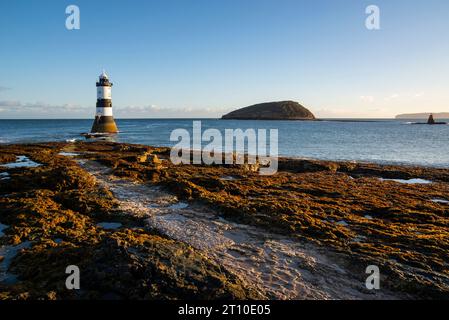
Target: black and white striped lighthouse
x,y
104,121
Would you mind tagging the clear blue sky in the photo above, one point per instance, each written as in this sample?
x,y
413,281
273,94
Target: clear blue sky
x,y
180,58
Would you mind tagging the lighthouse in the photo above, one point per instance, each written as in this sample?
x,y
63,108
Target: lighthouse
x,y
104,121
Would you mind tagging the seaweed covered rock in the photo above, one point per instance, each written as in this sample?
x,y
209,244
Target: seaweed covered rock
x,y
129,264
55,211
343,207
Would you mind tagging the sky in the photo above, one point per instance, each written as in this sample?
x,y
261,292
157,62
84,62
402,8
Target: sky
x,y
203,58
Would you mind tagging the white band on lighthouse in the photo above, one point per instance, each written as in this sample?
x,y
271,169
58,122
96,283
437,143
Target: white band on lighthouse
x,y
103,112
104,93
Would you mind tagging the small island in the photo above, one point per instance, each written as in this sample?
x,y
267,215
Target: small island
x,y
281,110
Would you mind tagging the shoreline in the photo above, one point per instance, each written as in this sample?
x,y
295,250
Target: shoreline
x,y
384,163
354,214
386,142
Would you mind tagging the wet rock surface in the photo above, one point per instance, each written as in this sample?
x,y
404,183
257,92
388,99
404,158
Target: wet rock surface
x,y
317,224
57,207
275,265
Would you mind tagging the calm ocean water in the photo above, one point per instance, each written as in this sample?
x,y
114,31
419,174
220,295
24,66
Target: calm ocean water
x,y
387,141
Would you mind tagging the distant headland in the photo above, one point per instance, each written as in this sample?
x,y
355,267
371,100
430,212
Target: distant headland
x,y
423,115
280,110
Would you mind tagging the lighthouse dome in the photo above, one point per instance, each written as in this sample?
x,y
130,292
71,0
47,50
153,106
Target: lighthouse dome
x,y
103,75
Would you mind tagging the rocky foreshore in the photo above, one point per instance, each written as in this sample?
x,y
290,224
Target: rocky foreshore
x,y
67,204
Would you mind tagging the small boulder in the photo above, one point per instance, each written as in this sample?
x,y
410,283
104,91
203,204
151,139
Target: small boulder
x,y
251,167
155,160
142,157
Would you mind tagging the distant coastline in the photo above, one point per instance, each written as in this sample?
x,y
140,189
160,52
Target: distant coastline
x,y
422,115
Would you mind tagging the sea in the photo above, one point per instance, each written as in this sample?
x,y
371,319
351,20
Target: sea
x,y
376,140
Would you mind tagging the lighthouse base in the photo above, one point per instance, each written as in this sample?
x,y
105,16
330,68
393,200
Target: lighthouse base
x,y
104,124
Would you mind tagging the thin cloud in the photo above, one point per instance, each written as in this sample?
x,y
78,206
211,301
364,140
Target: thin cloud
x,y
154,111
369,99
34,110
10,103
404,96
42,109
18,106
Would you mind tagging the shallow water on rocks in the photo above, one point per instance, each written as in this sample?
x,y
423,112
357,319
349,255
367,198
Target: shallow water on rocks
x,y
277,266
228,178
109,225
342,223
440,201
410,181
8,253
21,162
68,154
4,176
2,227
178,206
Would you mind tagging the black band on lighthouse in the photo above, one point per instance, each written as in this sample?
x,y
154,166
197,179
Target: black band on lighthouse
x,y
103,103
